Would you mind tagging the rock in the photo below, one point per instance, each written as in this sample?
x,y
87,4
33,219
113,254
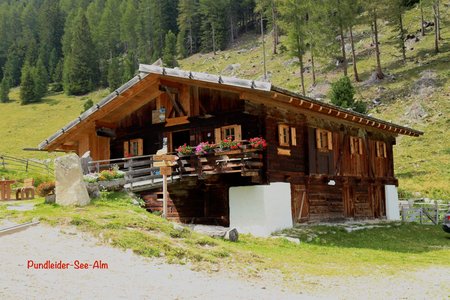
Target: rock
x,y
85,160
178,227
70,187
231,69
376,101
93,190
50,199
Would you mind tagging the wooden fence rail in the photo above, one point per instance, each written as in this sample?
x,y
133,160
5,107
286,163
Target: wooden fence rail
x,y
24,165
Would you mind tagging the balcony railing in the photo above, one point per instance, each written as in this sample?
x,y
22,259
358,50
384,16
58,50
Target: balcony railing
x,y
247,162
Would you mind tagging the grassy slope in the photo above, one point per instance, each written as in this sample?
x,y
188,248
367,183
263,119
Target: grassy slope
x,y
26,126
115,220
422,164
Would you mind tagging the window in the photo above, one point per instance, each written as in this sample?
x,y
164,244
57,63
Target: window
x,y
381,149
226,131
283,135
356,145
324,140
133,148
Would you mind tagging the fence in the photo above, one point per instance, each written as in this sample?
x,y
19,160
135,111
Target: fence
x,y
423,213
25,165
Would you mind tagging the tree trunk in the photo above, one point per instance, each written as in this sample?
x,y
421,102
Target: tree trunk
x,y
263,47
274,28
191,39
402,37
355,69
436,29
380,74
231,29
312,65
213,39
344,56
439,19
422,26
300,59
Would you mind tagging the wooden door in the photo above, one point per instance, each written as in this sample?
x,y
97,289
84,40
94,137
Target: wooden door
x,y
299,204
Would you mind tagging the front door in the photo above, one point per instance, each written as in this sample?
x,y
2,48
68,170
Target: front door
x,y
179,138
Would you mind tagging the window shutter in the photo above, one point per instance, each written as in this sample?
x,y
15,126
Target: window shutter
x,y
293,136
360,144
126,149
140,143
384,150
352,145
238,133
217,135
318,143
330,140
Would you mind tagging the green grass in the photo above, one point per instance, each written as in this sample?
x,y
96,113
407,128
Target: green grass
x,y
116,221
25,126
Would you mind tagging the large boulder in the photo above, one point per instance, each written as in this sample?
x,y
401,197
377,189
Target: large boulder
x,y
70,187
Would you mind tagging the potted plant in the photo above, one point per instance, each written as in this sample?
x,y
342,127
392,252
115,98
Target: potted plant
x,y
205,148
229,144
258,143
185,150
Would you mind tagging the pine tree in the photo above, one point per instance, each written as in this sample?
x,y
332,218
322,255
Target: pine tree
x,y
342,94
269,8
80,64
4,90
213,25
188,24
128,33
129,67
114,74
40,80
294,23
375,10
170,50
395,11
27,89
12,67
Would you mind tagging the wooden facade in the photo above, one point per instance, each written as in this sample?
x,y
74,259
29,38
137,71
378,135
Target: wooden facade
x,y
336,161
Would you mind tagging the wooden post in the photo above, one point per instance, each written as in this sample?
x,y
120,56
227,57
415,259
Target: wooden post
x,y
164,196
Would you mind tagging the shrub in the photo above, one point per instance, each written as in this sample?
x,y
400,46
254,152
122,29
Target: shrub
x,y
46,188
342,93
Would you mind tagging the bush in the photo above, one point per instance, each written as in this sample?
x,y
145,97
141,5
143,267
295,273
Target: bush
x,y
342,93
46,188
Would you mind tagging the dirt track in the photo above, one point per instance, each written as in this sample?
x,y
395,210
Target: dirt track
x,y
129,276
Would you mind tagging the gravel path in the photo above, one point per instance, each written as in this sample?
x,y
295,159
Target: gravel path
x,y
129,276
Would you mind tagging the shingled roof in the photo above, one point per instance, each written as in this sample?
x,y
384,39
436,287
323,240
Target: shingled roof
x,y
275,93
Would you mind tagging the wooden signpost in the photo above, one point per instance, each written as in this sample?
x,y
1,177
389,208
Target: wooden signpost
x,y
165,163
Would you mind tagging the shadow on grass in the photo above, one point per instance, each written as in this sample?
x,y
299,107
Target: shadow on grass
x,y
403,238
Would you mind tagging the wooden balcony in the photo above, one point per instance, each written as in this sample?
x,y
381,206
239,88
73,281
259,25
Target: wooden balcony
x,y
141,174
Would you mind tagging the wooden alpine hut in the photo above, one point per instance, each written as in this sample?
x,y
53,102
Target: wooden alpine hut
x,y
267,158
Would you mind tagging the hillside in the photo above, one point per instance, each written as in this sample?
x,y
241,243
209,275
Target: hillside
x,y
414,94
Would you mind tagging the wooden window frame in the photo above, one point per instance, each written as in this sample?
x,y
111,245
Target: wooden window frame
x,y
356,145
284,139
219,133
381,149
324,140
128,147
